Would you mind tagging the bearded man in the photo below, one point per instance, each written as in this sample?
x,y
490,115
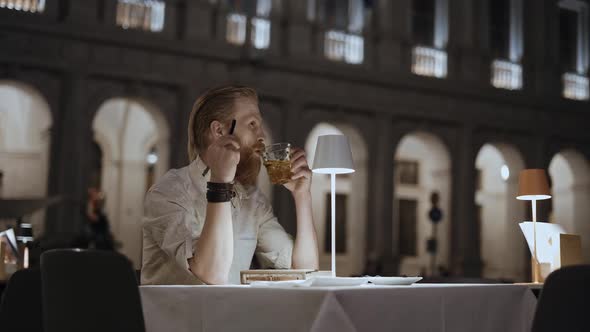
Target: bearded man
x,y
204,223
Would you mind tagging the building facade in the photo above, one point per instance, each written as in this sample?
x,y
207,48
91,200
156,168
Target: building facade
x,y
419,86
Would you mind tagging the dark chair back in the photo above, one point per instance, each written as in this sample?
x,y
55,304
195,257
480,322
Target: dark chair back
x,y
564,301
20,309
89,290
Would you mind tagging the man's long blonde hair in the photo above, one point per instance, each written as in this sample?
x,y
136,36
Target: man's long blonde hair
x,y
214,104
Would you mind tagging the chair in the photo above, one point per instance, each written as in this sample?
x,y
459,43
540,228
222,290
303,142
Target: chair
x,y
89,290
564,301
20,309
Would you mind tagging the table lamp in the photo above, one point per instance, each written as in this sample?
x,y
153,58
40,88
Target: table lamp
x,y
333,156
533,186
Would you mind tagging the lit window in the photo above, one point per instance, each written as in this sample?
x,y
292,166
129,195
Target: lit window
x,y
506,43
259,13
145,15
430,32
573,48
344,21
31,6
575,86
341,46
236,29
427,61
505,172
260,33
506,75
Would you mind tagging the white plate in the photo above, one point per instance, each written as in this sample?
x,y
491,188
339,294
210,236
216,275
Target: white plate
x,y
394,281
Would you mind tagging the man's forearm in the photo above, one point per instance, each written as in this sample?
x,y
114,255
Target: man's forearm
x,y
305,249
215,248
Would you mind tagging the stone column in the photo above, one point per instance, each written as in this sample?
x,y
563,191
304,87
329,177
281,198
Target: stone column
x,y
380,198
277,31
393,35
199,20
178,138
542,75
73,139
465,231
83,12
127,223
109,14
220,20
465,59
298,31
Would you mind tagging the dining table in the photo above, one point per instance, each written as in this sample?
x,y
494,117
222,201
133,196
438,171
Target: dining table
x,y
416,307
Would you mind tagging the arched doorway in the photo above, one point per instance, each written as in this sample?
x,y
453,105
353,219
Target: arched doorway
x,y
25,122
133,139
570,177
503,249
422,166
351,203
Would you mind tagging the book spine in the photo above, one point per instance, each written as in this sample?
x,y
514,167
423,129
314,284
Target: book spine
x,y
246,279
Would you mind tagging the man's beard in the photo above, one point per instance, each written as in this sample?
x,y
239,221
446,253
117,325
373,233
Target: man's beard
x,y
249,166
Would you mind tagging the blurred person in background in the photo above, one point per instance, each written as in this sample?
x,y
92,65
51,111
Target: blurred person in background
x,y
99,233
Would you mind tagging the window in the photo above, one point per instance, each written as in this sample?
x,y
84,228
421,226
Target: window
x,y
406,172
430,33
145,15
341,208
236,29
344,22
408,213
506,75
506,43
575,86
342,46
573,48
568,39
259,13
423,15
428,61
500,28
31,6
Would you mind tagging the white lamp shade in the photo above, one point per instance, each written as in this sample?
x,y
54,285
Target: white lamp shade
x,y
332,155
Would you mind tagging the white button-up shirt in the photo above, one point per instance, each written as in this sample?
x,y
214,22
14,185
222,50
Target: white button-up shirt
x,y
174,216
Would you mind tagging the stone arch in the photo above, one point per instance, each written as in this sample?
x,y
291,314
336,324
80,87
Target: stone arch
x,y
422,165
499,212
126,130
569,171
25,124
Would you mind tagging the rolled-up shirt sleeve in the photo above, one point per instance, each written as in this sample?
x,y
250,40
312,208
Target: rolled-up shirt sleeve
x,y
275,246
172,227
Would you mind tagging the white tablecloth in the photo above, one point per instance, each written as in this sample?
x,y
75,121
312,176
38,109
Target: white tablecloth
x,y
420,307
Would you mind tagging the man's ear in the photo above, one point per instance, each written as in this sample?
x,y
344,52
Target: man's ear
x,y
216,129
